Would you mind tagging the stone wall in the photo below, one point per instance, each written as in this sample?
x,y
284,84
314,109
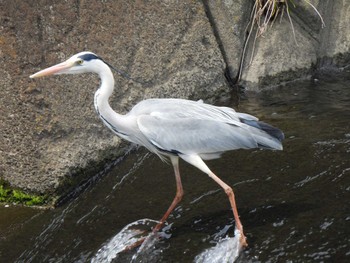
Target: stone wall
x,y
277,57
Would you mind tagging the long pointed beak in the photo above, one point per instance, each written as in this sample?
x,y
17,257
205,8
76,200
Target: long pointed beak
x,y
56,69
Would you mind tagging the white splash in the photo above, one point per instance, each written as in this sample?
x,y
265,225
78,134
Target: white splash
x,y
125,238
226,250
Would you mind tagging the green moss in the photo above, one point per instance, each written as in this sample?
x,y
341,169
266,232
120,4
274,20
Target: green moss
x,y
4,193
8,195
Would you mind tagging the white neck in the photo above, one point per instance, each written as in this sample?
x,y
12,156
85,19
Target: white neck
x,y
111,119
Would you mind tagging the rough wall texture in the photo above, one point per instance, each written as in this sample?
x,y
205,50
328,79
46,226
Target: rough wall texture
x,y
277,56
335,39
50,134
229,20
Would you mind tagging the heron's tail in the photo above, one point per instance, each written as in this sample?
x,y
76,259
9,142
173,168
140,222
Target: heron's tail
x,y
266,135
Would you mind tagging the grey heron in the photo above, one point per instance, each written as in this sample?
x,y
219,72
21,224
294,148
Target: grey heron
x,y
175,128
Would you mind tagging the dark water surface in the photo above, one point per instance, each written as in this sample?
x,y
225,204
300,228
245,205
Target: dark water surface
x,y
294,205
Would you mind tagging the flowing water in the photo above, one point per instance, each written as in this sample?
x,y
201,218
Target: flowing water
x,y
294,204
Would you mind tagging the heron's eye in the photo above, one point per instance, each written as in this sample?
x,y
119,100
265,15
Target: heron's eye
x,y
80,61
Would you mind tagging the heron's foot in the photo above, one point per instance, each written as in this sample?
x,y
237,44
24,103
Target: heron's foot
x,y
243,240
135,245
145,240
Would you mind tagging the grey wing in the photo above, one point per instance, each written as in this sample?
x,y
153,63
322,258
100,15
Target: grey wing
x,y
179,108
207,138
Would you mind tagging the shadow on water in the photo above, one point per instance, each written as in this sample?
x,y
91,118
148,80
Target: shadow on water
x,y
294,204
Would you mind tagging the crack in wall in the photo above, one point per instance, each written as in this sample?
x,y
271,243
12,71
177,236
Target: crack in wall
x,y
228,73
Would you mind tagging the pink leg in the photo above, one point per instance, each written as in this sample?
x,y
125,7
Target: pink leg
x,y
231,196
198,162
177,199
178,196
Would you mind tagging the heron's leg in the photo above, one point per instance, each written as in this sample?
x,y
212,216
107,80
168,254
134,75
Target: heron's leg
x,y
231,196
196,161
177,199
178,196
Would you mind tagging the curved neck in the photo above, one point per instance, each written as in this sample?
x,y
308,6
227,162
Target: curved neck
x,y
110,118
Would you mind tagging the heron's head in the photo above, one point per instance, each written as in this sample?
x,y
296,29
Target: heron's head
x,y
79,63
